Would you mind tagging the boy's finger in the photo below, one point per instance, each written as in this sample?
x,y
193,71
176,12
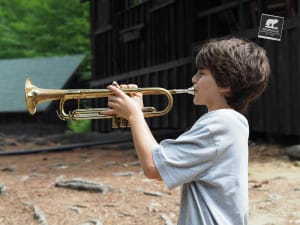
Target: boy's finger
x,y
115,90
108,112
132,86
115,83
123,86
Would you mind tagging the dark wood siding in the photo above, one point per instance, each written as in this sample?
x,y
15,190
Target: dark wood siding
x,y
277,111
153,43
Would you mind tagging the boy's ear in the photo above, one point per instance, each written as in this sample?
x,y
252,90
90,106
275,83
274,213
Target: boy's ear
x,y
226,91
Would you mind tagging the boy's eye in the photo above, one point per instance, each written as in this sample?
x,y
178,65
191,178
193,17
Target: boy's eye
x,y
200,74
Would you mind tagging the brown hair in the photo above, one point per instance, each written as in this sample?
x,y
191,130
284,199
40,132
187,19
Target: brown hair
x,y
238,64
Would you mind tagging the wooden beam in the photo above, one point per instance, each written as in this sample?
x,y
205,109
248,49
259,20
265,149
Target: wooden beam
x,y
105,29
141,72
292,22
220,8
161,5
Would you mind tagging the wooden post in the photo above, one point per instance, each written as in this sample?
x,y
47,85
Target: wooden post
x,y
241,15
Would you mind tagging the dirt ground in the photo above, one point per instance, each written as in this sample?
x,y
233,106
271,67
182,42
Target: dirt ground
x,y
29,194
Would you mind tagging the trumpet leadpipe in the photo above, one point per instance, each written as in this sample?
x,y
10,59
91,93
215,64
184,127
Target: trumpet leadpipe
x,y
183,91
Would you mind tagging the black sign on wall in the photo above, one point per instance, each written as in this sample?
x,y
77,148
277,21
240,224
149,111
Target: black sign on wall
x,y
271,27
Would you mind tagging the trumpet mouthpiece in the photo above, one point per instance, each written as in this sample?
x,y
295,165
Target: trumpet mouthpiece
x,y
183,91
191,91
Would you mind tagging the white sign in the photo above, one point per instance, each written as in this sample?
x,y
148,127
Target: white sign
x,y
271,27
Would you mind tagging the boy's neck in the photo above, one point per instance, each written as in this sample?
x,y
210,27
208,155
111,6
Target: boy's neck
x,y
218,102
216,107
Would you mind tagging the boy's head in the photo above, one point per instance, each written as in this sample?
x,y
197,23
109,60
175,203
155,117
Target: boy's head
x,y
240,65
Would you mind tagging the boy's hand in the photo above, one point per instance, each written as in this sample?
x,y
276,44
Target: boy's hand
x,y
130,108
123,105
138,97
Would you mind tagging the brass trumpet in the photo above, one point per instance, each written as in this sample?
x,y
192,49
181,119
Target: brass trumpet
x,y
35,95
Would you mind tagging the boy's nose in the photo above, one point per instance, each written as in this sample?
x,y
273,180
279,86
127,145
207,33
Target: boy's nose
x,y
194,79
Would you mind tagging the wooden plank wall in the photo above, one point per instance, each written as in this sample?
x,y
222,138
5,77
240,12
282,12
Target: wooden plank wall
x,y
278,110
154,44
148,44
171,75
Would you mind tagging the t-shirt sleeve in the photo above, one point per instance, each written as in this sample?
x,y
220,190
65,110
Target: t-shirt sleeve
x,y
186,158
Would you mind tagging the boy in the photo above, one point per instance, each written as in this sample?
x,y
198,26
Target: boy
x,y
210,160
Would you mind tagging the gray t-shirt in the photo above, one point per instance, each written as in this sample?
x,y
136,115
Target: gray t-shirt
x,y
210,161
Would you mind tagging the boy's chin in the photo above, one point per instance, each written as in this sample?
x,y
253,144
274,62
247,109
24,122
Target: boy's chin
x,y
197,102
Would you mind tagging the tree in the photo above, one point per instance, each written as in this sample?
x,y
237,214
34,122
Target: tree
x,y
31,28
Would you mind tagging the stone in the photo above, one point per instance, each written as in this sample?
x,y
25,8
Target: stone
x,y
9,169
166,219
294,152
92,222
153,193
38,215
81,184
123,174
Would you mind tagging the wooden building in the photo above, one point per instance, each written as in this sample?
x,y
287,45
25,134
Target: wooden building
x,y
55,72
153,43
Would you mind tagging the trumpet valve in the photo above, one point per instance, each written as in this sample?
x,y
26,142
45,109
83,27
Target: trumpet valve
x,y
119,122
123,123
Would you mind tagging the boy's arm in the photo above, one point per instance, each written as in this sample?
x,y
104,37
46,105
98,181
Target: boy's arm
x,y
130,109
143,142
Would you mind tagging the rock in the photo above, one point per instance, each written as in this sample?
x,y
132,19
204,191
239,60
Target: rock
x,y
257,184
38,215
9,169
154,207
296,188
124,174
74,208
294,152
153,193
274,197
166,219
2,188
26,177
11,143
92,222
80,184
111,163
135,163
297,163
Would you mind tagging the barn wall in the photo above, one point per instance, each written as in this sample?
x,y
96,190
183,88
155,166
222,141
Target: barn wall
x,y
153,43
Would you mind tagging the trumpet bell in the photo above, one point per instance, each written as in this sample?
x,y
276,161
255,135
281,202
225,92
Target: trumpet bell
x,y
29,97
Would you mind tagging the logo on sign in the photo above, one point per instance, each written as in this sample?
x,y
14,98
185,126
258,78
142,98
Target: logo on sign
x,y
271,27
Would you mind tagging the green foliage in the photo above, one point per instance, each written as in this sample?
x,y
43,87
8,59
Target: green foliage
x,y
31,28
79,126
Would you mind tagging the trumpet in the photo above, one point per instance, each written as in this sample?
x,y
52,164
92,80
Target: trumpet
x,y
35,95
